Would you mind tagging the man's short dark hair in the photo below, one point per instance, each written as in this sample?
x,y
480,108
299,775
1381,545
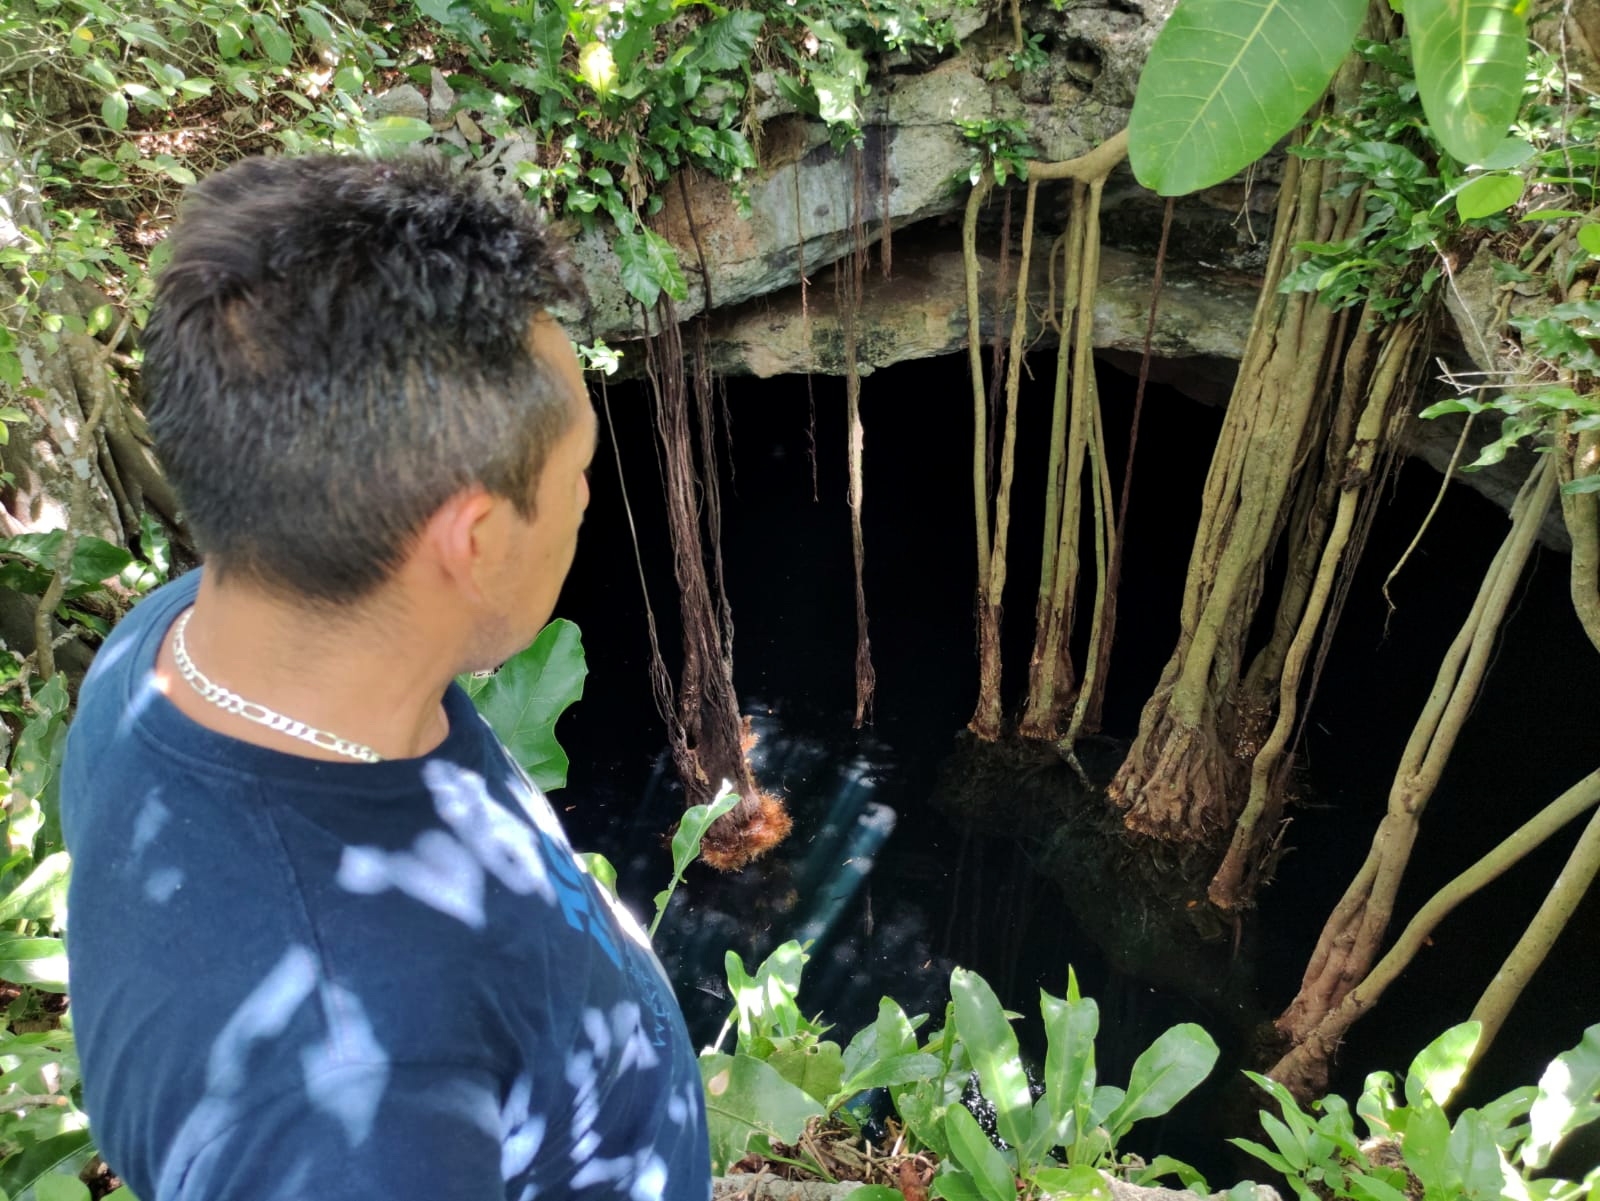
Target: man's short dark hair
x,y
336,347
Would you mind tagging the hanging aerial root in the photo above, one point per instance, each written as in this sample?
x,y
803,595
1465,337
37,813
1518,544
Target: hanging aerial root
x,y
1350,939
1304,1070
752,828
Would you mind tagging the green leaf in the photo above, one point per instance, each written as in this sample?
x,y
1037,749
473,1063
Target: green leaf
x,y
42,896
114,111
895,1069
1070,1184
1069,1070
765,1003
275,41
923,1104
1426,1144
816,1067
1569,1090
61,1188
1166,1165
1589,238
1475,1158
316,24
1470,57
1166,1073
522,700
1587,483
65,1155
992,1044
1439,1066
746,1098
1271,1158
650,267
1489,194
1226,79
692,827
889,1036
387,132
726,43
952,1183
974,1152
41,962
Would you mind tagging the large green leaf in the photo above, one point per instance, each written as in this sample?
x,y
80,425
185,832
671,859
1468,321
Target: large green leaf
x,y
1069,1072
650,267
746,1098
815,1066
973,1151
1226,79
43,895
1165,1074
41,962
1470,57
1569,1097
1439,1066
992,1044
65,1154
728,41
522,700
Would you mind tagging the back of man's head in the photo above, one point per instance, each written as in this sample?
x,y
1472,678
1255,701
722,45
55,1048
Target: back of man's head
x,y
336,347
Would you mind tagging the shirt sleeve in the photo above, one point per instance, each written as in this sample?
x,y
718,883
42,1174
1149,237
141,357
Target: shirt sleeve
x,y
359,1132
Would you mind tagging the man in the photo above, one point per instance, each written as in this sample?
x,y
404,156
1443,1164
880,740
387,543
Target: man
x,y
327,941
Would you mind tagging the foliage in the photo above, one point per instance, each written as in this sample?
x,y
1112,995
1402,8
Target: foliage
x,y
686,839
94,182
1527,414
522,699
1000,146
1226,79
783,1073
43,1131
1419,201
1413,1150
810,1077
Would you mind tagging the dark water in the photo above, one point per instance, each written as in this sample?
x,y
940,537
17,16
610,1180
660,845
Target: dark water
x,y
891,893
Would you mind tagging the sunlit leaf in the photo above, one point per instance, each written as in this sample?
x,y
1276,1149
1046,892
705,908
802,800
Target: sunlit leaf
x,y
746,1098
1470,57
1226,79
1489,194
1439,1066
992,1044
1569,1090
41,962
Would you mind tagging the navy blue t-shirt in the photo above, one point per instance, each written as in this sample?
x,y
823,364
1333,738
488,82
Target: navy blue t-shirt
x,y
296,979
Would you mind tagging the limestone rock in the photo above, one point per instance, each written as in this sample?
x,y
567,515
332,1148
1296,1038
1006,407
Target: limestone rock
x,y
401,101
441,98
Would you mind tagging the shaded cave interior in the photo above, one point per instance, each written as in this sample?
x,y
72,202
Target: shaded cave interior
x,y
895,889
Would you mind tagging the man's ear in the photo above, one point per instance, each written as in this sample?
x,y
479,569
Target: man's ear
x,y
462,539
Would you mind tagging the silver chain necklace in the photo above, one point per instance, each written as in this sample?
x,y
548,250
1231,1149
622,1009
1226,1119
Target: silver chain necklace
x,y
232,702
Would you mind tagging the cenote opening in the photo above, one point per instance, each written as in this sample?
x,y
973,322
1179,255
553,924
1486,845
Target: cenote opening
x,y
895,875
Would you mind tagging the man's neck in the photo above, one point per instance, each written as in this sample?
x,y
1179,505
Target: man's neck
x,y
372,676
